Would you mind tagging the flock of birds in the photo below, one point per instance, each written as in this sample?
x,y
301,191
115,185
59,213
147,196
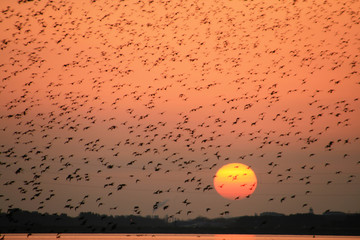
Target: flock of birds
x,y
130,107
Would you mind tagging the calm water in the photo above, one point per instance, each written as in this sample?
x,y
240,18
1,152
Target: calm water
x,y
171,237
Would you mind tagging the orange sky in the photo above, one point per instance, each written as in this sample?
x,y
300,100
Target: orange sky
x,y
154,94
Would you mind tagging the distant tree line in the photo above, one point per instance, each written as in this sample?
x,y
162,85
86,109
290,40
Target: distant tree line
x,y
329,223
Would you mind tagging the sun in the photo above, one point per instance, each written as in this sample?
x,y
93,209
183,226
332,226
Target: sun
x,y
235,181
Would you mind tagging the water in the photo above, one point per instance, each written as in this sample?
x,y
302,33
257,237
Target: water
x,y
46,236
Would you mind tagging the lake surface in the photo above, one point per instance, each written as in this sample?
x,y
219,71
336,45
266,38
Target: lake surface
x,y
171,237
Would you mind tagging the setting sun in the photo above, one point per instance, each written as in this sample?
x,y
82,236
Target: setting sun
x,y
235,181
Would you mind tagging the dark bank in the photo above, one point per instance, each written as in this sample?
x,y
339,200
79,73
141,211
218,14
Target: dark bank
x,y
329,223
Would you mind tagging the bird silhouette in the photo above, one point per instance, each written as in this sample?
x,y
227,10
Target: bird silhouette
x,y
109,100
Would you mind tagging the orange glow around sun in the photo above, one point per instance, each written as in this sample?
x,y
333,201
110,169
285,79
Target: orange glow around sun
x,y
235,181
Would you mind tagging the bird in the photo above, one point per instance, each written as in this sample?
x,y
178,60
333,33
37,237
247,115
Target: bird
x,y
119,107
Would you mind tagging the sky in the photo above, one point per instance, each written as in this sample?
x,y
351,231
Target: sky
x,y
131,107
